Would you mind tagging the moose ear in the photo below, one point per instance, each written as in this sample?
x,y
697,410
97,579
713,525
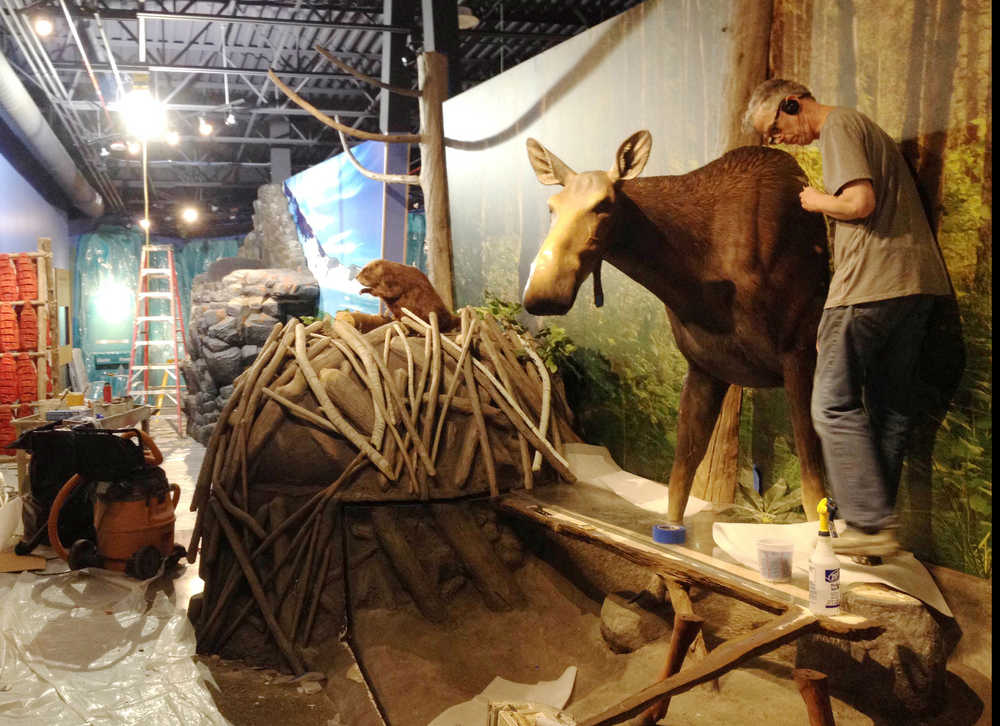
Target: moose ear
x,y
548,167
632,156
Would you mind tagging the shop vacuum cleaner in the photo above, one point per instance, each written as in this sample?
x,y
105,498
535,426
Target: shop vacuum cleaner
x,y
104,492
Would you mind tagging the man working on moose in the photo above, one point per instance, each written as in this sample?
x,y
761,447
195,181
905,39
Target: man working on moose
x,y
887,267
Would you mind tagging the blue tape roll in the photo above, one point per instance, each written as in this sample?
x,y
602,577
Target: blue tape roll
x,y
669,533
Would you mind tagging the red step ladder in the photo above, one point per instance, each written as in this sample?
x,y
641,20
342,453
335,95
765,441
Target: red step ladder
x,y
157,334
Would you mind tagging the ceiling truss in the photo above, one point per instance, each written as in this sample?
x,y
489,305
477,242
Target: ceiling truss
x,y
209,60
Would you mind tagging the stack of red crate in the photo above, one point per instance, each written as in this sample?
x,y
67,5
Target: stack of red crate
x,y
27,277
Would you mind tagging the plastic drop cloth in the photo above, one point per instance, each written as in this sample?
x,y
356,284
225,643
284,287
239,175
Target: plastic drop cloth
x,y
593,465
106,281
84,648
554,694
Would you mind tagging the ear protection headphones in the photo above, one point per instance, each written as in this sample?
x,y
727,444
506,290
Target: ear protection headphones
x,y
790,106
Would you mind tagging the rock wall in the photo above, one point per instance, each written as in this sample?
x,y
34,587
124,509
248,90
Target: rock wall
x,y
234,305
273,240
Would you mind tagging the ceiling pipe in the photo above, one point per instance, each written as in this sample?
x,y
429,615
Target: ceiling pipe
x,y
44,144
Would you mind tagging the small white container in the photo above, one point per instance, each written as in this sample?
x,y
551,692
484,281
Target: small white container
x,y
774,559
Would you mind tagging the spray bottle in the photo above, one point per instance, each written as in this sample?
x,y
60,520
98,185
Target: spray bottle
x,y
824,569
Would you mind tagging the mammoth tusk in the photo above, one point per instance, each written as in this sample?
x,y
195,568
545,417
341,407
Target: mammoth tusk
x,y
391,138
598,287
362,77
388,178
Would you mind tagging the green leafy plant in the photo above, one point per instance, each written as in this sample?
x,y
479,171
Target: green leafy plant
x,y
777,505
505,311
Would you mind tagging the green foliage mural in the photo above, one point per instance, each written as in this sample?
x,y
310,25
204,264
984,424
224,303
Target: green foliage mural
x,y
930,89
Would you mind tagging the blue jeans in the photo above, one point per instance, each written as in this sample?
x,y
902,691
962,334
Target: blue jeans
x,y
862,401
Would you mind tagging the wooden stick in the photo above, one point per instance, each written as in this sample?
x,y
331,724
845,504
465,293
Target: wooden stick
x,y
543,419
307,510
484,437
207,465
350,333
554,457
680,599
501,369
287,649
815,692
466,343
318,588
330,410
724,658
466,456
300,411
686,628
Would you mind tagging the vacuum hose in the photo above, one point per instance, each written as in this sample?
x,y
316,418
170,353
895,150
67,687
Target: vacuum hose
x,y
153,457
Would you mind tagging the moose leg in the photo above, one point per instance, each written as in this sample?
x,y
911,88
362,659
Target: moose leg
x,y
798,374
701,400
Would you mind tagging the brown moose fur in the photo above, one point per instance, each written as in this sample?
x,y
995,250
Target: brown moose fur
x,y
402,286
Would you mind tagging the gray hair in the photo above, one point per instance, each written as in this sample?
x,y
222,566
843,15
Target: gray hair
x,y
769,94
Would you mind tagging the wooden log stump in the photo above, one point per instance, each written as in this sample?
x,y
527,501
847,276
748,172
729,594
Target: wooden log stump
x,y
490,576
389,533
901,671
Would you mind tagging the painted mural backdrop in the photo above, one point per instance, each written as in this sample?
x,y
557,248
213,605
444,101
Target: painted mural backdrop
x,y
338,215
931,89
661,66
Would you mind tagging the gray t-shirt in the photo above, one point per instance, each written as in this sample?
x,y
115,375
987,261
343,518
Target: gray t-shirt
x,y
891,253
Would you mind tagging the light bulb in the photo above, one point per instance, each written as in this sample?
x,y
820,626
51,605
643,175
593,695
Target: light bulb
x,y
204,127
144,116
144,223
230,120
173,138
133,147
43,26
189,214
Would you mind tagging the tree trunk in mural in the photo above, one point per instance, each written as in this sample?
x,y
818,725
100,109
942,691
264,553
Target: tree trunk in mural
x,y
790,44
925,136
848,66
715,478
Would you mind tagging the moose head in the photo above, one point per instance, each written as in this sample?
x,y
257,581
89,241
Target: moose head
x,y
583,219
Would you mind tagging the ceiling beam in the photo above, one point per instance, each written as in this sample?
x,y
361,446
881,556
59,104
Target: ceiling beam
x,y
146,16
209,70
237,110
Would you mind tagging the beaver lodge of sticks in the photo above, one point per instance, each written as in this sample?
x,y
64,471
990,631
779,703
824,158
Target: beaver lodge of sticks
x,y
339,458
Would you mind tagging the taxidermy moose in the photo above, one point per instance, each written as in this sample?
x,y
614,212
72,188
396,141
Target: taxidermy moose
x,y
740,266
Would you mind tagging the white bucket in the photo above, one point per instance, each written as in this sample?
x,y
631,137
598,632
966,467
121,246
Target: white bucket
x,y
774,559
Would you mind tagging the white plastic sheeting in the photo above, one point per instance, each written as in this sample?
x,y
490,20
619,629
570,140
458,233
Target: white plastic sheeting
x,y
87,648
554,694
593,465
903,571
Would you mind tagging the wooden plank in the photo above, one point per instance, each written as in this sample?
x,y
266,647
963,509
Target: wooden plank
x,y
669,560
683,564
680,598
727,656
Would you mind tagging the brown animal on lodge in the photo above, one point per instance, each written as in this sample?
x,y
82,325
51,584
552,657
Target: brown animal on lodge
x,y
740,266
404,286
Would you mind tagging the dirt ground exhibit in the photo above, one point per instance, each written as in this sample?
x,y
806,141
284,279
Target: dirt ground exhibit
x,y
419,669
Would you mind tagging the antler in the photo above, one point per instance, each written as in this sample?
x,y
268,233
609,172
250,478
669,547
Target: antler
x,y
390,138
390,178
367,79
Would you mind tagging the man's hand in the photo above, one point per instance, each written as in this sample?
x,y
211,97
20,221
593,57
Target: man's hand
x,y
856,200
812,199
